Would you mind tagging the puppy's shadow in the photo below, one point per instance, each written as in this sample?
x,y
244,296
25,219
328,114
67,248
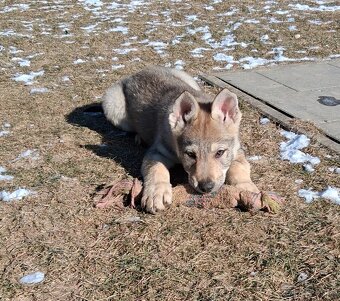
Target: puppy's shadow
x,y
116,145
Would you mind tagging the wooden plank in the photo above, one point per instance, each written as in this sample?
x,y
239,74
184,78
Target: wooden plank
x,y
267,110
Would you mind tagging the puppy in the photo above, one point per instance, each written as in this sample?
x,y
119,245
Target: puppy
x,y
181,124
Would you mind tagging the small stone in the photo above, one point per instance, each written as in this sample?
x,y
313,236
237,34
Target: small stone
x,y
302,277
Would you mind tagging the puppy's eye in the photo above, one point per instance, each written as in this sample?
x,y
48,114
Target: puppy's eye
x,y
191,155
219,153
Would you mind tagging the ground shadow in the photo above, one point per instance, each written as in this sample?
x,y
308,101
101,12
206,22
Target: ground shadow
x,y
116,145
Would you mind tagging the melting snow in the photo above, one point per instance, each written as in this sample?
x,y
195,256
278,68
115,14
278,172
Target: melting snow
x,y
78,61
223,57
31,154
22,62
290,150
122,29
124,51
254,158
28,79
32,278
264,38
38,90
334,169
115,67
306,7
15,195
197,52
331,193
179,64
264,120
252,62
4,133
308,168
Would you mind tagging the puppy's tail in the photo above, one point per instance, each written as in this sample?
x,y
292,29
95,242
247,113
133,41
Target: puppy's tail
x,y
114,106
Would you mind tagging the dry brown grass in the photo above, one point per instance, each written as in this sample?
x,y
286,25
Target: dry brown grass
x,y
184,253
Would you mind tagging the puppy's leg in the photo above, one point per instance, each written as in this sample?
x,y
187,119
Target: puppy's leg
x,y
238,174
157,193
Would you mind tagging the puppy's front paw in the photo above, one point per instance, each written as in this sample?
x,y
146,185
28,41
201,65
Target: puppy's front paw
x,y
248,186
156,196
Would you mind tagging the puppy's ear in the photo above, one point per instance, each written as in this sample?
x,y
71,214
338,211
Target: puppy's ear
x,y
185,109
225,107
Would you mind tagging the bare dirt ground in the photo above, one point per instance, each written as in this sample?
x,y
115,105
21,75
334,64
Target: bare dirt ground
x,y
82,47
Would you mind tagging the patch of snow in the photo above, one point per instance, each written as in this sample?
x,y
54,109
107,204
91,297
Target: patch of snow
x,y
4,133
65,78
264,120
252,21
197,52
28,79
209,7
89,28
15,195
78,61
228,41
31,154
308,195
290,150
236,25
318,22
282,12
21,7
273,20
158,46
22,62
334,169
179,64
38,90
116,67
122,29
308,168
33,278
252,62
331,193
14,50
254,158
264,38
224,58
298,181
124,51
306,7
191,18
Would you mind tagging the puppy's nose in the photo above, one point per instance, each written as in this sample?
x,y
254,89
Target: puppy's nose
x,y
206,186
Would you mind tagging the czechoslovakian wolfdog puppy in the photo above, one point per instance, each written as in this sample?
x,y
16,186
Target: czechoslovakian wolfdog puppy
x,y
181,124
